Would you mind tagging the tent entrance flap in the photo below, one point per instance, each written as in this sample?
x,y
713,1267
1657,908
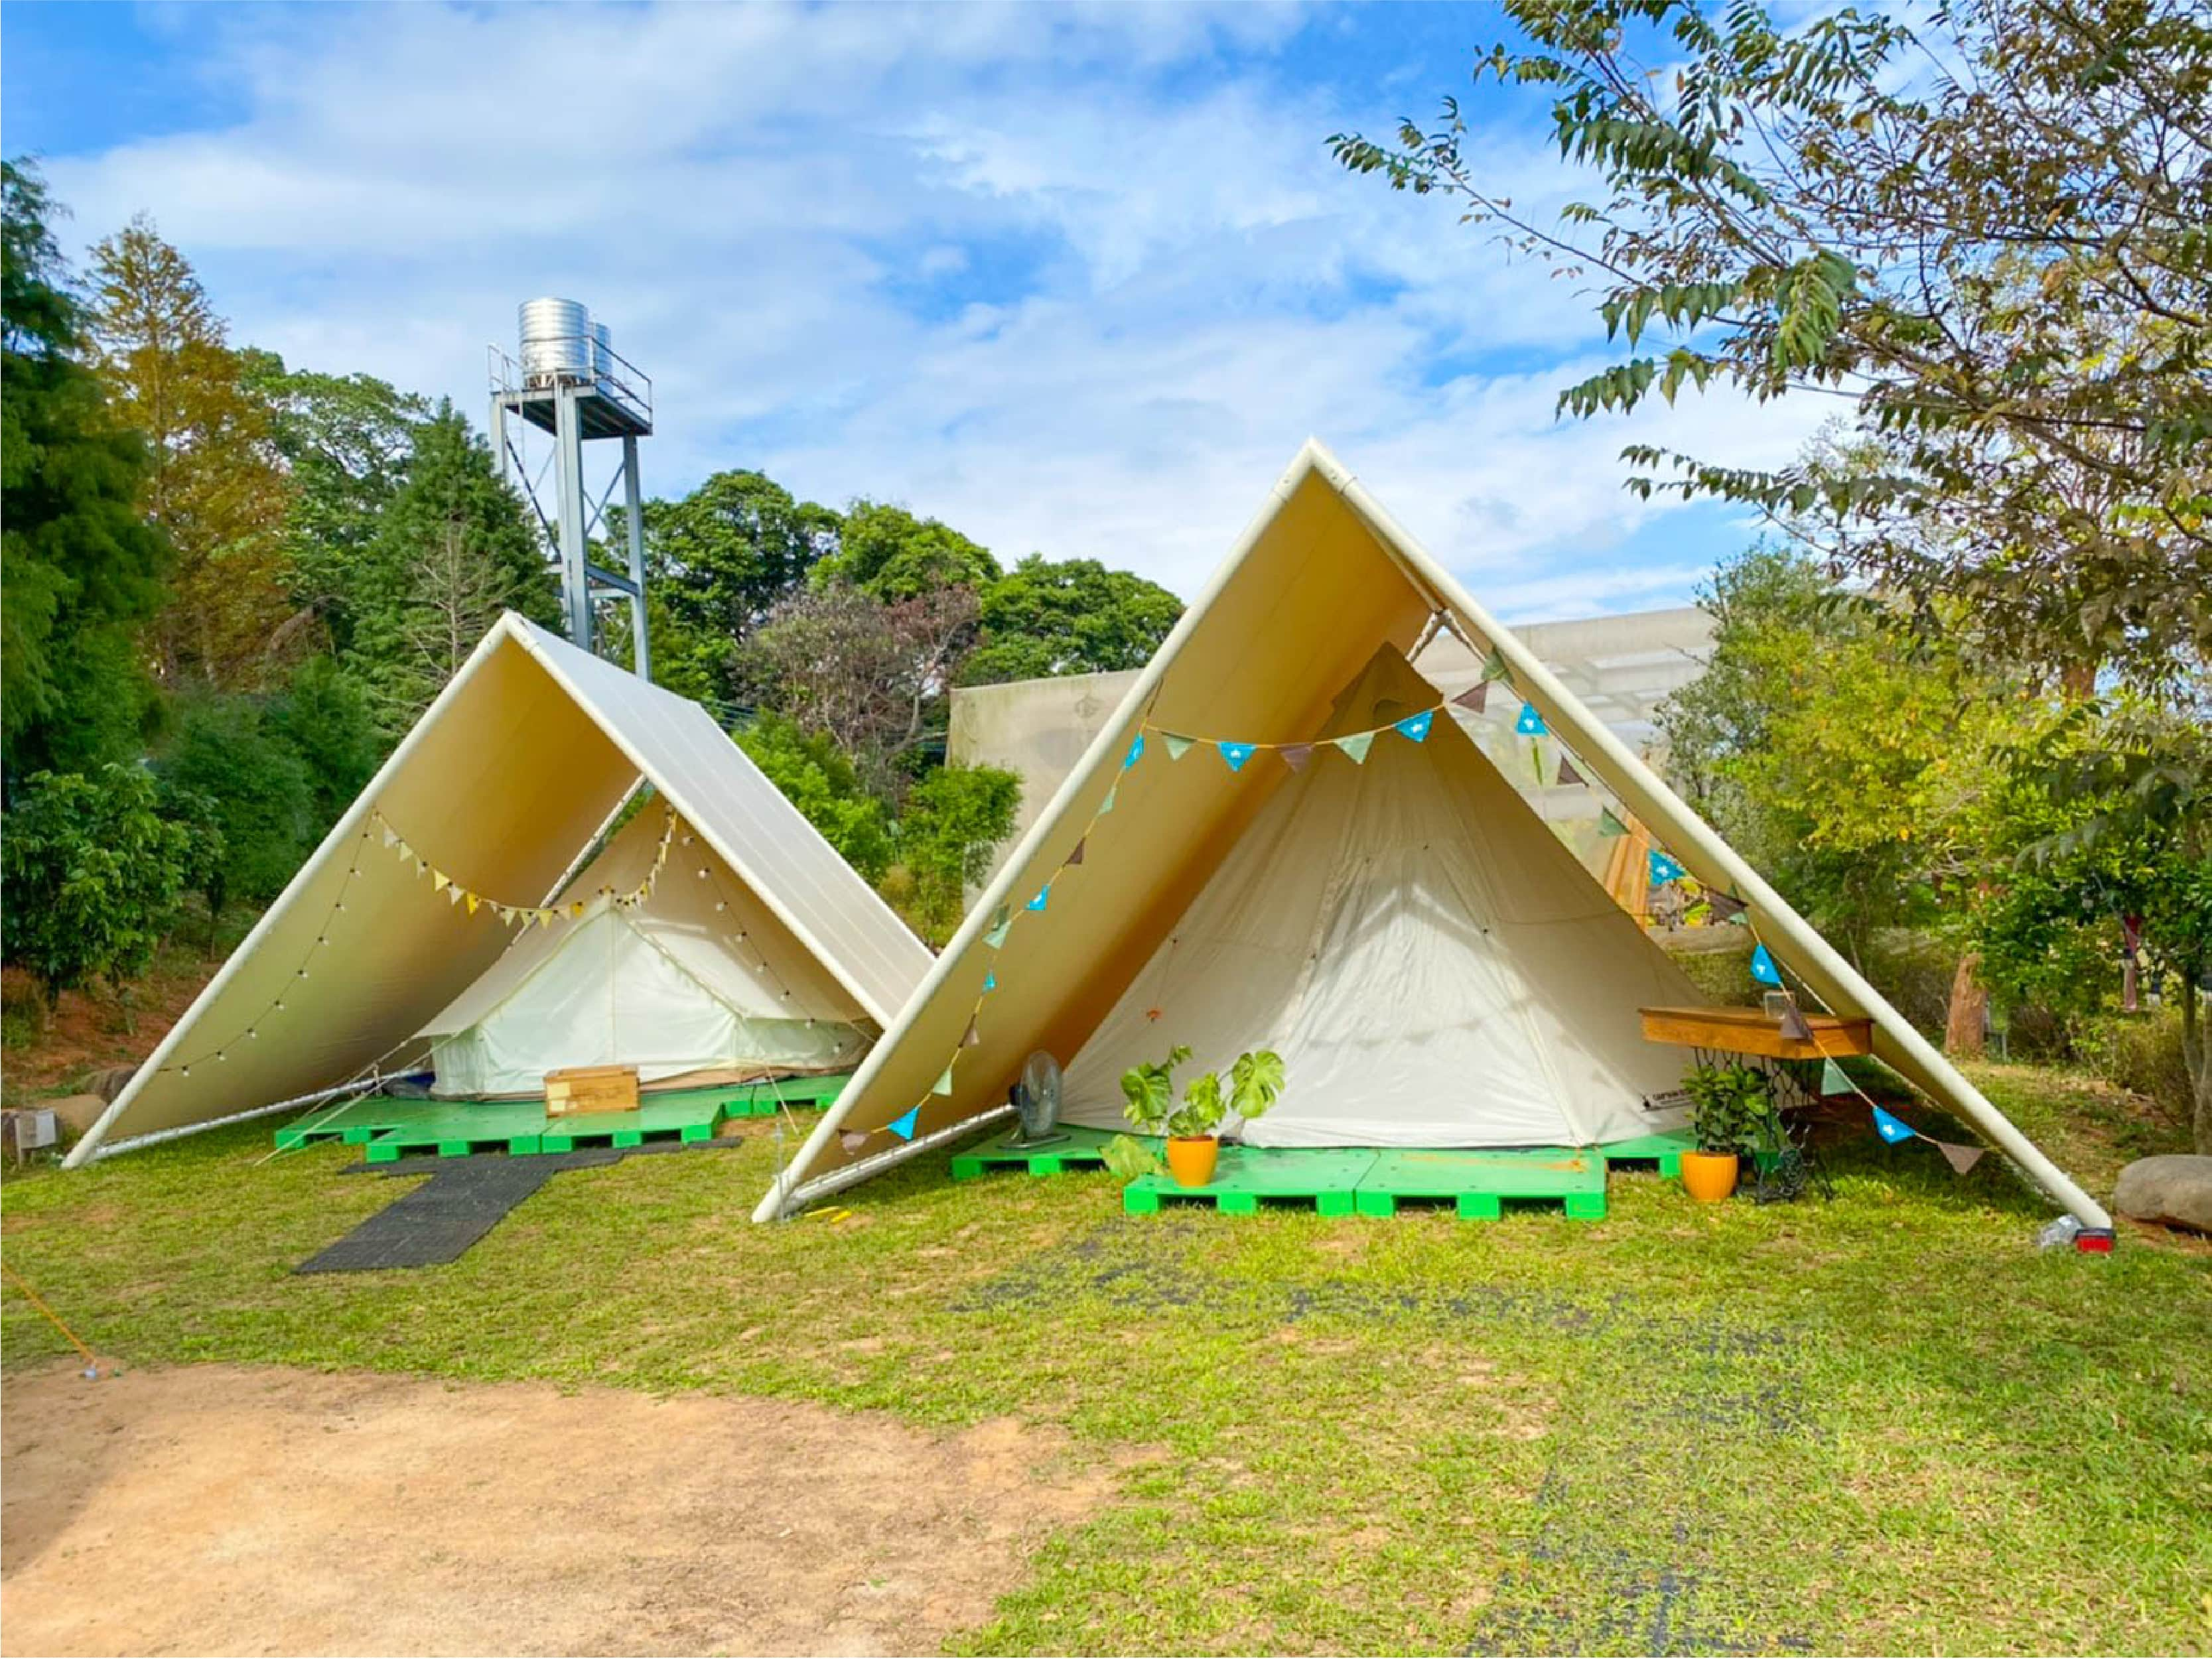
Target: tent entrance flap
x,y
1435,967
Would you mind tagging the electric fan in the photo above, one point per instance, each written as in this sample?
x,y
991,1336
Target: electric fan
x,y
1037,1099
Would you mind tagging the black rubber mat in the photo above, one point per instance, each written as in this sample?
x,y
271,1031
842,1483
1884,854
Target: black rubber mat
x,y
441,1218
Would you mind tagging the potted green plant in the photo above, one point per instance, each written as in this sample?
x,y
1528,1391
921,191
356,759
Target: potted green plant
x,y
1731,1106
1190,1127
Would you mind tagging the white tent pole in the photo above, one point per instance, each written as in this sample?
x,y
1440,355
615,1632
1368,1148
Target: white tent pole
x,y
1801,938
1112,740
350,824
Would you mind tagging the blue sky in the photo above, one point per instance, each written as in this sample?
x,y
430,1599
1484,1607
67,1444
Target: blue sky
x,y
1077,279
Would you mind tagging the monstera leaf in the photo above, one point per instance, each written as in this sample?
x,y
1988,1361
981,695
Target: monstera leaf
x,y
1254,1082
1150,1091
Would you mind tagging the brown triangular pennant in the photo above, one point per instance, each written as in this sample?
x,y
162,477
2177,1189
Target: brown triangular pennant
x,y
1960,1158
1295,755
1726,907
1794,1026
1076,857
1474,697
1567,772
974,1037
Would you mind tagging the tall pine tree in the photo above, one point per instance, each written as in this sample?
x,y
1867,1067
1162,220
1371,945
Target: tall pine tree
x,y
217,488
79,565
451,552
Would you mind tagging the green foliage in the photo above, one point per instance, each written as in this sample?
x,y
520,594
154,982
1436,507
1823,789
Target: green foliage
x,y
1852,764
80,569
885,551
345,441
451,553
953,819
93,874
218,486
1922,216
324,716
1734,1108
221,752
718,560
1073,617
1255,1082
1128,1159
817,778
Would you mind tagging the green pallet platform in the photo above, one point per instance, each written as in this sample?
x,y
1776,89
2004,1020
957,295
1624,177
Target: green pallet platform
x,y
1479,1184
806,1094
1325,1177
1076,1149
1664,1150
461,1128
354,1123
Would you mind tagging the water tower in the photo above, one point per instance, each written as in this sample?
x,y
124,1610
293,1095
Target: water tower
x,y
571,386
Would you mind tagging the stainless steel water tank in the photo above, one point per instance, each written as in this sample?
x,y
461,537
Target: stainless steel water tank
x,y
557,340
603,352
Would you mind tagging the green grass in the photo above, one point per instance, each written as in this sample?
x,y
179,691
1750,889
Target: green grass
x,y
1883,1425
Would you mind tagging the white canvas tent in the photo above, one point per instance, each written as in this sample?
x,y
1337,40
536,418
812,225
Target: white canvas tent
x,y
504,785
1405,945
695,977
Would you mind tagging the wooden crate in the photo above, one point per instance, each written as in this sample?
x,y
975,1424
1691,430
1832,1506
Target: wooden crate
x,y
575,1089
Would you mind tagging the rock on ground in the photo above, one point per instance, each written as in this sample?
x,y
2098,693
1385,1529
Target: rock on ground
x,y
2175,1190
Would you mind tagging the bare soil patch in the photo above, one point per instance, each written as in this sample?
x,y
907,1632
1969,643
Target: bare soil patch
x,y
233,1509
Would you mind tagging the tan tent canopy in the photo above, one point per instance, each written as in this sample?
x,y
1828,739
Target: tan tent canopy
x,y
1319,584
502,788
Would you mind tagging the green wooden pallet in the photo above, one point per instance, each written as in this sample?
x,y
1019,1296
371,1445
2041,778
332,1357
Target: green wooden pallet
x,y
460,1128
1077,1148
1664,1150
1325,1176
810,1094
1479,1183
354,1123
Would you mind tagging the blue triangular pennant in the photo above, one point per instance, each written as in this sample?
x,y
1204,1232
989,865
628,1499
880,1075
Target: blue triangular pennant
x,y
1236,754
990,982
1136,752
1530,723
903,1125
1664,870
1763,968
1043,893
1890,1129
1416,726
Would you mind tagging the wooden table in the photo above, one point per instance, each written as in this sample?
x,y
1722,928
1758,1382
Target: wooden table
x,y
1754,1031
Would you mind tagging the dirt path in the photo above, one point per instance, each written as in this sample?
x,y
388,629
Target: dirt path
x,y
214,1509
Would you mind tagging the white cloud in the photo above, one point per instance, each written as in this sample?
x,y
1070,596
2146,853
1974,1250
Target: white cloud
x,y
1079,280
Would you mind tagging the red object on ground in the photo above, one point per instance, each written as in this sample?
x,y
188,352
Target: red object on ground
x,y
2097,1243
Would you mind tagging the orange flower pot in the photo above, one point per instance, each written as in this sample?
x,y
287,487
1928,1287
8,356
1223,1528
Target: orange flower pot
x,y
1709,1177
1191,1158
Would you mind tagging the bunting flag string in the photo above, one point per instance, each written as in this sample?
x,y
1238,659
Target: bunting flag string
x,y
1475,699
1835,1080
1295,755
1178,745
1664,869
542,915
1237,751
1567,774
1356,746
1529,723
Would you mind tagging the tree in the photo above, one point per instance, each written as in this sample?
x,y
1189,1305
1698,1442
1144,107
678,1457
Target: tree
x,y
954,817
223,760
718,561
816,777
887,552
80,569
216,487
1073,617
2090,886
873,676
324,717
449,554
345,442
93,873
1988,233
1851,762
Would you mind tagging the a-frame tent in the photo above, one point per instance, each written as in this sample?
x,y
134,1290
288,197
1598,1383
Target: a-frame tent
x,y
499,792
1056,948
